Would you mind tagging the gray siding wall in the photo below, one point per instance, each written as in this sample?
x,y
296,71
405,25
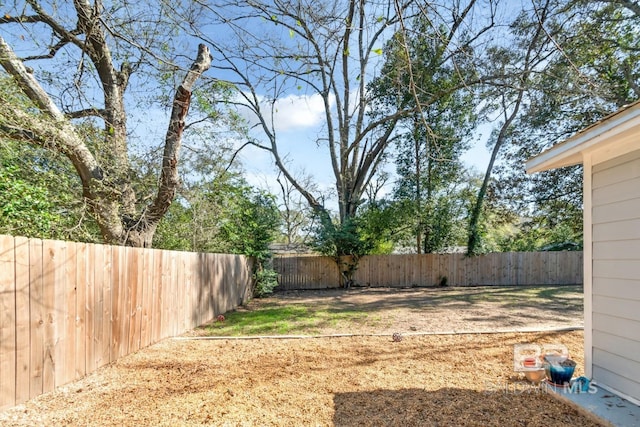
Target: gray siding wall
x,y
616,273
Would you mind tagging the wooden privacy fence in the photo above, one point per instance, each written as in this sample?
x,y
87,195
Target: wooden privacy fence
x,y
67,308
502,269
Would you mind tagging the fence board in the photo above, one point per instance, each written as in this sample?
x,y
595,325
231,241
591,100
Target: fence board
x,y
172,277
166,297
81,303
48,298
116,295
420,267
89,312
178,322
7,322
366,266
217,260
147,287
444,271
140,295
102,329
23,356
37,314
70,315
124,302
191,296
157,298
134,275
59,310
202,270
369,265
215,289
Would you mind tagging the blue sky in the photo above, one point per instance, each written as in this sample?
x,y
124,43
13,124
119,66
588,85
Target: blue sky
x,y
299,119
300,115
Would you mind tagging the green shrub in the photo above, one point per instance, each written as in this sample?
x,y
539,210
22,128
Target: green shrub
x,y
266,280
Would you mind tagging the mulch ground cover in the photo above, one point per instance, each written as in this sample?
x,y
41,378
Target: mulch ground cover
x,y
422,380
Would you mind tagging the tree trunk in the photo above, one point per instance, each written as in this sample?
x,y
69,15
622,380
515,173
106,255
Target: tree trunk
x,y
108,194
474,234
145,226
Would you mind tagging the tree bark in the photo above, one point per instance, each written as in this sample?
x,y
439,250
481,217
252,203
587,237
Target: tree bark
x,y
109,196
169,178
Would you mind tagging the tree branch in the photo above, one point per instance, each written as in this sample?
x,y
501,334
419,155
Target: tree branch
x,y
58,136
22,19
27,82
62,32
169,179
88,112
53,51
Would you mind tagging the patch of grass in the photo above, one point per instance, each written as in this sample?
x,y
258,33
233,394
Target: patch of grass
x,y
265,317
284,320
559,292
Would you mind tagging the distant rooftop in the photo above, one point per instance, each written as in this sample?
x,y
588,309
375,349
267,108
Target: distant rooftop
x,y
296,249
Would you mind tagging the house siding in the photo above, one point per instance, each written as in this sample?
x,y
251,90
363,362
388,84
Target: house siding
x,y
616,273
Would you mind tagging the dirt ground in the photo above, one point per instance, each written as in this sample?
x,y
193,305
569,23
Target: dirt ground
x,y
424,380
442,310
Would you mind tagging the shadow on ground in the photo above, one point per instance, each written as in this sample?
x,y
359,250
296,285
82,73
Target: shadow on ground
x,y
422,310
453,406
523,305
553,297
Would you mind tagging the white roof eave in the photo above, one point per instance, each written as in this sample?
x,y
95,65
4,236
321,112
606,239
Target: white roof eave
x,y
570,152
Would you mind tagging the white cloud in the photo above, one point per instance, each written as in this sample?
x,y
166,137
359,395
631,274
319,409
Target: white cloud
x,y
299,111
293,112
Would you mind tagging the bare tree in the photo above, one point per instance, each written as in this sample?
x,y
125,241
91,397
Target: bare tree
x,y
532,50
296,221
568,65
88,41
330,50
